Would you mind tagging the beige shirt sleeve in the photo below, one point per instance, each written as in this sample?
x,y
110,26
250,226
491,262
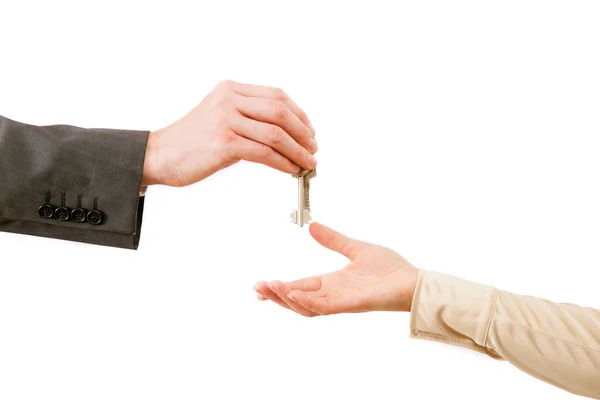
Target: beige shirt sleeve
x,y
557,343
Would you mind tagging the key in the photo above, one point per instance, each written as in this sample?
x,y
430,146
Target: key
x,y
302,216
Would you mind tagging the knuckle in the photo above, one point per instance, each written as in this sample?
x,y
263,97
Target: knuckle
x,y
226,84
224,100
229,137
288,164
302,115
302,154
306,134
276,134
266,152
279,94
346,248
279,110
229,150
330,240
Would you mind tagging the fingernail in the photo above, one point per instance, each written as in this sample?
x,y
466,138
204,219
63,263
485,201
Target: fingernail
x,y
271,286
312,128
312,145
312,161
291,296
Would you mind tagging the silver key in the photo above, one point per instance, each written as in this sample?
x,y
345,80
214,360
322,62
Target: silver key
x,y
302,216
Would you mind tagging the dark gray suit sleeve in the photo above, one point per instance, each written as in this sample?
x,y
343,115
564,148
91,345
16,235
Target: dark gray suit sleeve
x,y
72,183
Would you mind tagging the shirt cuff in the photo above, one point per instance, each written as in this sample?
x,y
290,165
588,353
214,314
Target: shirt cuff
x,y
452,310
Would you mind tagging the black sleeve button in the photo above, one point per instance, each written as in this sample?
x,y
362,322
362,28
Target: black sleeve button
x,y
94,217
62,213
46,211
78,215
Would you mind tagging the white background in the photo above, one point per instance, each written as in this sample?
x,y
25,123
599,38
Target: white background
x,y
463,134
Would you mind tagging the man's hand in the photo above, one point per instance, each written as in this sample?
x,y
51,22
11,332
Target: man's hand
x,y
377,279
234,122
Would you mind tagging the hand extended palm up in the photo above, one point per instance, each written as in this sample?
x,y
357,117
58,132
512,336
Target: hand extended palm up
x,y
377,279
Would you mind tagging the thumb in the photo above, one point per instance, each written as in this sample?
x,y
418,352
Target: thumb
x,y
334,240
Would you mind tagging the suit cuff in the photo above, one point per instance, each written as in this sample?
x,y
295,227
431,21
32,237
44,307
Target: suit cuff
x,y
452,310
72,183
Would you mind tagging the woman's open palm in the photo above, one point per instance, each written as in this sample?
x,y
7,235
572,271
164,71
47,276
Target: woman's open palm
x,y
377,279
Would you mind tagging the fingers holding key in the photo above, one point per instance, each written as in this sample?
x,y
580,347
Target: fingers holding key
x,y
277,133
274,137
257,152
277,113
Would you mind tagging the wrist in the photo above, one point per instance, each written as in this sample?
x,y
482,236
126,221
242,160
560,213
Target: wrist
x,y
150,174
412,286
405,284
397,291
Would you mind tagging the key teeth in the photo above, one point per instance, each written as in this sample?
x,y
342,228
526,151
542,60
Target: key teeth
x,y
306,216
302,216
300,219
